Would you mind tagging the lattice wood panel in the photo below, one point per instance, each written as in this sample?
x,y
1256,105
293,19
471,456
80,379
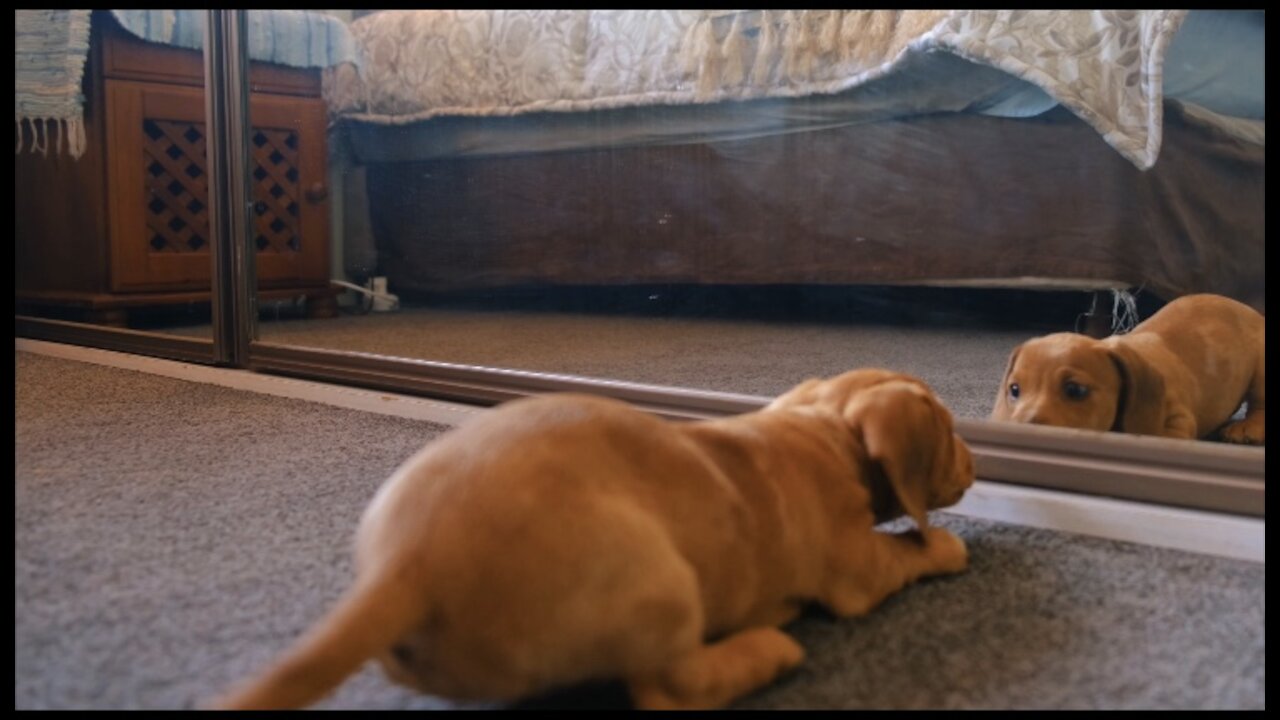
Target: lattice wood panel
x,y
276,192
177,186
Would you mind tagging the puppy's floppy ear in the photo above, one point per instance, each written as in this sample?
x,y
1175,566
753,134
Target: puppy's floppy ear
x,y
1140,407
903,434
1001,410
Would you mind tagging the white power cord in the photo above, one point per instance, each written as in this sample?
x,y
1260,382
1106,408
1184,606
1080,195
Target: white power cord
x,y
377,296
1124,312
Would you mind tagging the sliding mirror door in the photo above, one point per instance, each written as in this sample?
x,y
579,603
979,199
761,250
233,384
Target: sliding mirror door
x,y
734,201
111,183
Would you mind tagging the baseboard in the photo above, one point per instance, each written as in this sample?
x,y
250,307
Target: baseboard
x,y
1159,525
1179,528
384,403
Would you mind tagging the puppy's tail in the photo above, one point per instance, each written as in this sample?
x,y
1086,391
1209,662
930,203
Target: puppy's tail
x,y
376,612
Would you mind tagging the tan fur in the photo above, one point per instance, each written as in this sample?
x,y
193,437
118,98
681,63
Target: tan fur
x,y
566,538
1182,373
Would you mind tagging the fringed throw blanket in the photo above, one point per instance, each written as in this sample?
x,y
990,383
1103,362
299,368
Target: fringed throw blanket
x,y
50,48
1106,66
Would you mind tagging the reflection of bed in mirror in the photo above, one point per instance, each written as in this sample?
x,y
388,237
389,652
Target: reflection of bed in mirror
x,y
825,147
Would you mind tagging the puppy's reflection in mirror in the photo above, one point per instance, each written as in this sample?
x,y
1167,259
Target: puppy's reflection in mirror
x,y
1182,373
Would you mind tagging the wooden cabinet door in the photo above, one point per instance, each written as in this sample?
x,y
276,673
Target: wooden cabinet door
x,y
157,188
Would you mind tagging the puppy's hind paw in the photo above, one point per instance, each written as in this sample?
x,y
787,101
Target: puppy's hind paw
x,y
1244,433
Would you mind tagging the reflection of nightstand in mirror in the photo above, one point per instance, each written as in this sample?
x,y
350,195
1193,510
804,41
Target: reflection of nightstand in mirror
x,y
127,224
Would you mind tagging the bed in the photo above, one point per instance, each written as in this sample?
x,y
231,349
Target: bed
x,y
1082,149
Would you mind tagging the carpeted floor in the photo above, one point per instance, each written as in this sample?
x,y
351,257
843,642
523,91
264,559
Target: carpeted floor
x,y
753,357
739,339
171,537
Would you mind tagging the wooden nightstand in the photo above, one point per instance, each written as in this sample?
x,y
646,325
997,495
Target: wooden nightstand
x,y
127,224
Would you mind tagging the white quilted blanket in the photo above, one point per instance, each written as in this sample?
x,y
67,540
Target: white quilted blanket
x,y
1106,66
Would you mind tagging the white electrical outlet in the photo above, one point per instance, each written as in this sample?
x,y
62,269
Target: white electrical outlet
x,y
381,301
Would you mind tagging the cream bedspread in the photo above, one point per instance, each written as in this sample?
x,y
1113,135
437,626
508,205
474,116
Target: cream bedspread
x,y
1106,66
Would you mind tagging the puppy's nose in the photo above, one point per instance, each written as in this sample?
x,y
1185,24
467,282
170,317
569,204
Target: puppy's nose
x,y
403,654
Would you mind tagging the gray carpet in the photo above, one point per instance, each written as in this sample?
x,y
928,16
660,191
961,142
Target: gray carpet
x,y
171,537
743,355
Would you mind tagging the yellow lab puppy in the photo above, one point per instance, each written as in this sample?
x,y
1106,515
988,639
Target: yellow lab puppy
x,y
1182,373
568,538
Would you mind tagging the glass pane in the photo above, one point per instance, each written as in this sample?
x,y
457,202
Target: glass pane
x,y
110,186
734,201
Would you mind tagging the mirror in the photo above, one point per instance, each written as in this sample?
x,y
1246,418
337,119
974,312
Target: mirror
x,y
110,187
739,200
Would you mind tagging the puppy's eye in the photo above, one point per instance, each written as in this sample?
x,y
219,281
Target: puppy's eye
x,y
1075,391
1014,390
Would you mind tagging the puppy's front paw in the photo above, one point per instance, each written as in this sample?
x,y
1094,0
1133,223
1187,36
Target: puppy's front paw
x,y
782,649
948,552
1244,432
